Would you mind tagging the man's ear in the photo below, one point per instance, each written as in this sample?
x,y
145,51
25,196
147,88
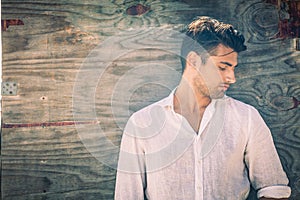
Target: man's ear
x,y
193,59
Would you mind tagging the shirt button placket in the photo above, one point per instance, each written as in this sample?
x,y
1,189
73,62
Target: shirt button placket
x,y
198,170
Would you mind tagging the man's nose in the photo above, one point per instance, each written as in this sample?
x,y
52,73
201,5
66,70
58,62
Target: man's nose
x,y
230,77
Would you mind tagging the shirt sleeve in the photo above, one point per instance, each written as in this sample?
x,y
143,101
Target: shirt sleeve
x,y
265,170
130,178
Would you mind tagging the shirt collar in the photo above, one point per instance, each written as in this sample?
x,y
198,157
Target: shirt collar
x,y
168,103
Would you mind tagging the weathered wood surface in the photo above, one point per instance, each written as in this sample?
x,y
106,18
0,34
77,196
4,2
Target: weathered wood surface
x,y
51,59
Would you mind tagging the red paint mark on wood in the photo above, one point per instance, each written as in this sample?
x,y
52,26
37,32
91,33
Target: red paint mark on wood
x,y
289,17
138,9
296,103
5,23
285,103
46,124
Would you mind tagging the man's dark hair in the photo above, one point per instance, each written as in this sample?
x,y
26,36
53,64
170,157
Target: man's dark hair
x,y
204,34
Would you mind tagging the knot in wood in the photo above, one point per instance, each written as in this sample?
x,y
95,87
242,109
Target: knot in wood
x,y
137,9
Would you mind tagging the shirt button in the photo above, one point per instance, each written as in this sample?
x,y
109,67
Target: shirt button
x,y
168,107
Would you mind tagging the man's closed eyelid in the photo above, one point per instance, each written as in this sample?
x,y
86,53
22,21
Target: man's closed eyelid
x,y
222,68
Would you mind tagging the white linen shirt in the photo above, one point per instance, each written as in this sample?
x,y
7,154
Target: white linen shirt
x,y
162,157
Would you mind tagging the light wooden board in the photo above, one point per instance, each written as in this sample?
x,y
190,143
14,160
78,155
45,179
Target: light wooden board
x,y
51,59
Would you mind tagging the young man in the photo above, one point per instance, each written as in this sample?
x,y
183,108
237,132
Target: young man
x,y
199,143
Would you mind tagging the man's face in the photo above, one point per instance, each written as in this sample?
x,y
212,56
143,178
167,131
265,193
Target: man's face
x,y
217,74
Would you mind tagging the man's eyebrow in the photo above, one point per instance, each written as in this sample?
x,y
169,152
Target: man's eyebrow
x,y
226,63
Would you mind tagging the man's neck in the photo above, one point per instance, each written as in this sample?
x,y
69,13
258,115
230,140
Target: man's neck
x,y
189,99
190,104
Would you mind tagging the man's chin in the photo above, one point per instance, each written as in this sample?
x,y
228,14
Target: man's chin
x,y
218,95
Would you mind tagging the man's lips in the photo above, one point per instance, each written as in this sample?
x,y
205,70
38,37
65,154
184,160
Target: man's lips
x,y
224,86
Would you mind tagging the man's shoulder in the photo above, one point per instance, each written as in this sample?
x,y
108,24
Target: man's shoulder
x,y
154,108
239,105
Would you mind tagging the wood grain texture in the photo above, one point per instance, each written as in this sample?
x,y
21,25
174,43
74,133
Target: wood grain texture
x,y
55,58
51,163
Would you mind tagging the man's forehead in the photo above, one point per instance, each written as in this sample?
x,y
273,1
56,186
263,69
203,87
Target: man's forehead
x,y
225,55
222,50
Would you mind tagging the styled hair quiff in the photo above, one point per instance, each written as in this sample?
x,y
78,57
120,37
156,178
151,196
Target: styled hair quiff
x,y
204,34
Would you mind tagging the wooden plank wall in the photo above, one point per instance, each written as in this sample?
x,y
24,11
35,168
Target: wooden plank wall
x,y
57,63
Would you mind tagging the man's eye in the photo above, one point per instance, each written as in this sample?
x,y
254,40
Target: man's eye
x,y
222,68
